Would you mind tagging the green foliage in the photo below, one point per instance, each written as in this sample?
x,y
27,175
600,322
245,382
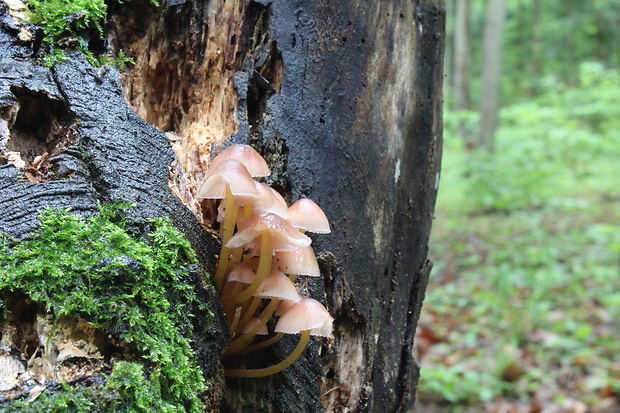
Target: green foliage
x,y
65,19
59,18
526,246
546,43
105,60
93,268
75,399
460,384
546,145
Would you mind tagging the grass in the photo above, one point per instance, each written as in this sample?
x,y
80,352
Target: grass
x,y
523,303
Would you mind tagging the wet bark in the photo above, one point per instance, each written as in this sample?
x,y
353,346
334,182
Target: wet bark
x,y
343,100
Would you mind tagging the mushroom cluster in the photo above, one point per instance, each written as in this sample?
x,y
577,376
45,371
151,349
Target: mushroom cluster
x,y
264,247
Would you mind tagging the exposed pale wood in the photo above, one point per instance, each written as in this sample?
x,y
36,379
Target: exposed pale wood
x,y
344,101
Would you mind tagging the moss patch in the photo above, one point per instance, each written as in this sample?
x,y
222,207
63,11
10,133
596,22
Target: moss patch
x,y
136,289
67,23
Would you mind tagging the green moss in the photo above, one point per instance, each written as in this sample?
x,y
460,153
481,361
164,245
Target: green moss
x,y
64,23
70,399
59,18
136,288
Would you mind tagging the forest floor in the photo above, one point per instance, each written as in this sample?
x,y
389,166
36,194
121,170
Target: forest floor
x,y
522,310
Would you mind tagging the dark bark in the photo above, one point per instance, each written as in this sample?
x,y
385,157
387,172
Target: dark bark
x,y
343,99
102,153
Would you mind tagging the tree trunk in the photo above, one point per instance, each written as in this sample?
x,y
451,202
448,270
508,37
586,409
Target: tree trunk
x,y
343,100
462,69
449,51
462,57
491,73
572,10
537,42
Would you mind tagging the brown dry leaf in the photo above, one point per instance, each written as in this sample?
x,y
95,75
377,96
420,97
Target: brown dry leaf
x,y
15,158
607,405
39,159
32,175
17,9
35,392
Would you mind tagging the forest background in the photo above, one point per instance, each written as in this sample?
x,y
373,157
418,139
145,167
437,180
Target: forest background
x,y
522,311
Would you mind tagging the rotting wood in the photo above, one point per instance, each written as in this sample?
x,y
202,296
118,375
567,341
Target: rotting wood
x,y
350,113
344,100
184,82
37,348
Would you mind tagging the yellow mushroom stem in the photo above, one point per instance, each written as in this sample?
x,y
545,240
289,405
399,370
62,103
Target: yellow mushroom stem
x,y
238,252
248,210
235,321
243,340
242,307
256,346
268,371
264,266
236,257
226,232
248,312
229,287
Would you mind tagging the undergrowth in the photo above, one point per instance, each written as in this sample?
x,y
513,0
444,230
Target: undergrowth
x,y
523,302
135,288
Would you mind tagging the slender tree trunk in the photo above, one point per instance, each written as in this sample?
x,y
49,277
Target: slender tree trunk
x,y
491,73
569,50
450,47
462,68
537,40
462,57
343,100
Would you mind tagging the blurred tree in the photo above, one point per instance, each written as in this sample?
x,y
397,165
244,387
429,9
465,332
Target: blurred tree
x,y
449,50
462,56
543,44
462,67
536,37
491,71
570,52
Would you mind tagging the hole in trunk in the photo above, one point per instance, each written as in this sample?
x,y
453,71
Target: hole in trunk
x,y
36,347
39,128
183,81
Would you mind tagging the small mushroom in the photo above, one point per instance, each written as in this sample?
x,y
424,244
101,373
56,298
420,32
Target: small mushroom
x,y
276,286
239,274
307,215
300,261
245,154
276,235
229,180
254,321
228,174
307,317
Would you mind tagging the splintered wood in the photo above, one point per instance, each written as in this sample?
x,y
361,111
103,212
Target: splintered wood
x,y
36,347
183,81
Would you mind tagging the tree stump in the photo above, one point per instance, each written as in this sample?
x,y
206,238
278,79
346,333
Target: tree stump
x,y
343,100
